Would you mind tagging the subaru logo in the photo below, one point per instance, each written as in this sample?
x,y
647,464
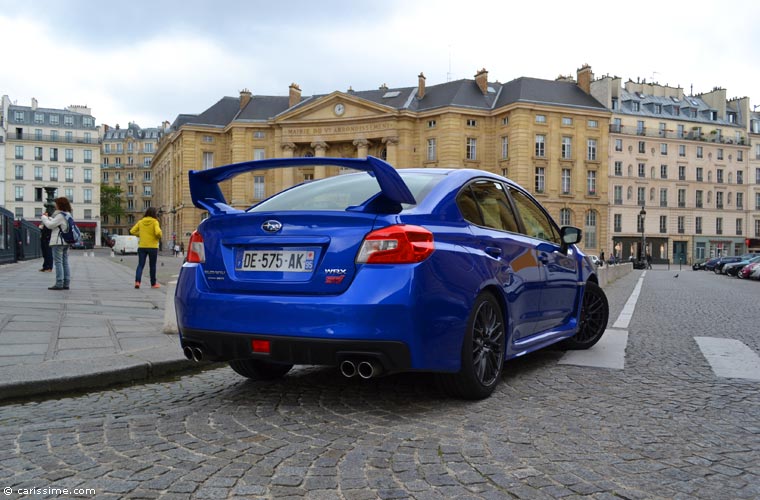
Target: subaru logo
x,y
271,226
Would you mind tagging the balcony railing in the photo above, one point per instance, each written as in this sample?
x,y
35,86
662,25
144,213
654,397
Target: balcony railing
x,y
51,138
674,134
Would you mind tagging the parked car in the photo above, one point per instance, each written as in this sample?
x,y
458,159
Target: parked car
x,y
755,273
733,268
746,271
82,245
383,271
709,264
718,267
594,259
124,244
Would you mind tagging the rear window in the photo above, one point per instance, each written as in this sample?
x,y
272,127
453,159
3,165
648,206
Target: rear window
x,y
341,192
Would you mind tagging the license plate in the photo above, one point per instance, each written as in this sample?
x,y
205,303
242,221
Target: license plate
x,y
290,261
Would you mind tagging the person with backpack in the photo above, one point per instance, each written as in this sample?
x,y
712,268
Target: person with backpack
x,y
149,232
57,224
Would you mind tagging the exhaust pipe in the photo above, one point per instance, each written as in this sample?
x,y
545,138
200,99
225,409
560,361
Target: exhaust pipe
x,y
348,368
369,369
197,354
188,352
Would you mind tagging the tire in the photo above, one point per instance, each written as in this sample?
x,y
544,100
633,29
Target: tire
x,y
595,312
482,352
257,369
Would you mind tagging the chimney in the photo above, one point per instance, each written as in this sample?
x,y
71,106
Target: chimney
x,y
34,104
584,78
481,78
295,95
245,98
383,87
420,86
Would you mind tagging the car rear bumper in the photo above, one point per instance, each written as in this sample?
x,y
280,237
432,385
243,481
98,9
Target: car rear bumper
x,y
223,346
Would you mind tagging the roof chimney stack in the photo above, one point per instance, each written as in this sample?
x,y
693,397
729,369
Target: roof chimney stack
x,y
295,95
34,104
421,86
585,76
481,78
245,98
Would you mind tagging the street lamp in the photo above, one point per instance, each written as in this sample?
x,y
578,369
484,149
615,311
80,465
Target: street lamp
x,y
642,218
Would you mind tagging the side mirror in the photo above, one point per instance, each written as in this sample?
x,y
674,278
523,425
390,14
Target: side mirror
x,y
570,236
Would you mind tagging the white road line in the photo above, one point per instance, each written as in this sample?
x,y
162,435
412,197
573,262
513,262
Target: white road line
x,y
730,358
625,316
609,352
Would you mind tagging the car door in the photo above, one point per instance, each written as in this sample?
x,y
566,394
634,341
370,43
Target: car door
x,y
510,257
560,290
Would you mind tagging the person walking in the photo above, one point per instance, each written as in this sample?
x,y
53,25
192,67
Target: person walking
x,y
60,248
149,232
47,252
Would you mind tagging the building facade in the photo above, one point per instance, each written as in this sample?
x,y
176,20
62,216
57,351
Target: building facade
x,y
679,172
549,136
127,155
56,148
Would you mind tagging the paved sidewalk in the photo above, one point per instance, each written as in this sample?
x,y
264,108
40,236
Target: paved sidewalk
x,y
101,332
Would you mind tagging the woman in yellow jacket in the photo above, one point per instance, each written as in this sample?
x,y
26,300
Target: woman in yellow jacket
x,y
149,232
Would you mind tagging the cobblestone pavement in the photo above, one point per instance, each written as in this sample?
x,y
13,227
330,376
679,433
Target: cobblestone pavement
x,y
663,427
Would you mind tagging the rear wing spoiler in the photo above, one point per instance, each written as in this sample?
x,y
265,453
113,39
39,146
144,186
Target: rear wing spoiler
x,y
206,194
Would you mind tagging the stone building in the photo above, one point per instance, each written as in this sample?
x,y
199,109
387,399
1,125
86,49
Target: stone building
x,y
127,156
549,136
683,163
55,148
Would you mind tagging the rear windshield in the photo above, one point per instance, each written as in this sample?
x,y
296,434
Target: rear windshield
x,y
342,191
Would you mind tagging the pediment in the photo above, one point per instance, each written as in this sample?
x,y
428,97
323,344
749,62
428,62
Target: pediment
x,y
335,106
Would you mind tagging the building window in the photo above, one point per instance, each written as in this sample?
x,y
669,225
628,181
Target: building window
x,y
618,144
472,148
740,200
504,148
146,177
619,168
37,172
431,149
739,224
618,197
757,228
505,120
146,162
69,155
681,224
699,152
634,105
38,153
87,138
69,174
593,124
719,225
19,192
618,222
107,149
87,175
589,232
719,176
658,109
258,187
259,153
681,173
69,193
87,195
700,174
53,173
719,199
642,170
431,123
120,148
88,156
147,190
663,197
567,148
208,139
208,160
540,118
663,224
591,182
566,184
720,153
740,177
567,121
259,134
663,149
698,225
19,172
698,198
472,122
682,150
641,195
540,146
681,198
740,155
19,152
663,171
564,217
539,185
105,176
505,172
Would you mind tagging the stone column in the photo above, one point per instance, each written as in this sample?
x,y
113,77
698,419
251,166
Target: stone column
x,y
320,148
288,175
391,149
362,147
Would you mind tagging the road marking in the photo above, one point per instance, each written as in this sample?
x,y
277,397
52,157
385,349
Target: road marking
x,y
730,358
609,352
625,316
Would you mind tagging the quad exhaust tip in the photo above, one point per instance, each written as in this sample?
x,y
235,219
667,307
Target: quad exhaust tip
x,y
366,369
193,353
348,368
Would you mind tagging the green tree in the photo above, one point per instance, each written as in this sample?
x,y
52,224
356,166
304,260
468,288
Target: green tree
x,y
110,201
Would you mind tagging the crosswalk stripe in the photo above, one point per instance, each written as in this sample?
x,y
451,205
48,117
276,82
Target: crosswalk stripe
x,y
730,358
625,316
609,352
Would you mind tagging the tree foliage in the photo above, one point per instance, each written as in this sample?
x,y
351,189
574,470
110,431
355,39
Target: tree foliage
x,y
110,201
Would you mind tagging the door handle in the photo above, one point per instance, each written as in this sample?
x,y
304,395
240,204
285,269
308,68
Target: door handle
x,y
494,252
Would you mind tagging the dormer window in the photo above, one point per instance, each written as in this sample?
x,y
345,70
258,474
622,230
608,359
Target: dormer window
x,y
658,109
634,105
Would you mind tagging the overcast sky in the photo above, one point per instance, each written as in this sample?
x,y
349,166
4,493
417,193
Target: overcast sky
x,y
148,61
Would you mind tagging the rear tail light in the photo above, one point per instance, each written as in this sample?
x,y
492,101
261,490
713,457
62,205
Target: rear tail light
x,y
401,244
196,251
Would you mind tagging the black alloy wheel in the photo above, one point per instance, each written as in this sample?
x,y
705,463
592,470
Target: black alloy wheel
x,y
594,315
482,352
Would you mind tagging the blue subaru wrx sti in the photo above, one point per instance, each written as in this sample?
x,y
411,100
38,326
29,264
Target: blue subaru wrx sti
x,y
383,271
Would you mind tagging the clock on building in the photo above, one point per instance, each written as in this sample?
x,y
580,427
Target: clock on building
x,y
339,109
